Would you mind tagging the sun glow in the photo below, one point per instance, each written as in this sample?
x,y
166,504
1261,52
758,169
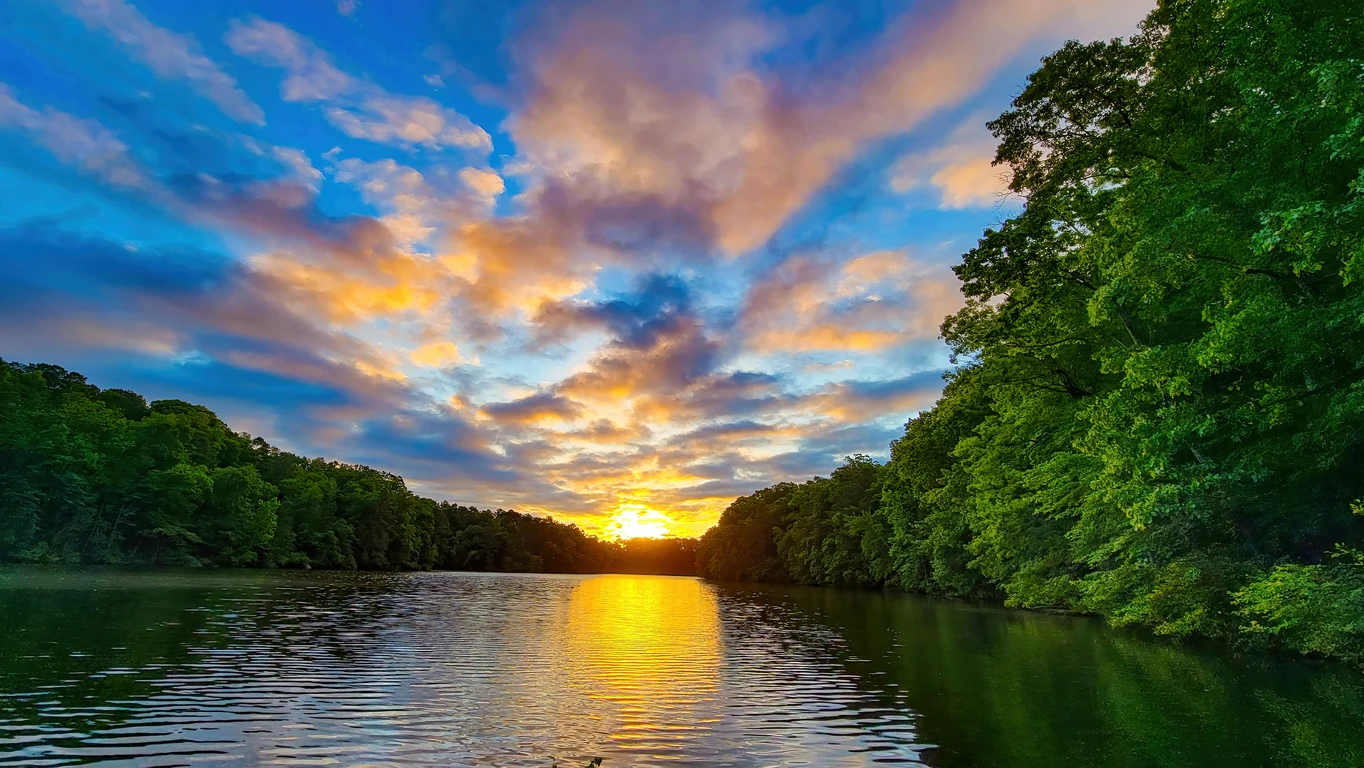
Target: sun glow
x,y
636,521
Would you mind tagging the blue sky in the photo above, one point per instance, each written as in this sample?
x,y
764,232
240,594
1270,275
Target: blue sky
x,y
601,260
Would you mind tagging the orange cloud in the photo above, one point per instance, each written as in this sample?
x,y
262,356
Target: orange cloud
x,y
392,284
872,302
960,169
437,354
534,409
678,115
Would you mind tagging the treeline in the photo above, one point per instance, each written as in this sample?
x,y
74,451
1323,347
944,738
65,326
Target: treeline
x,y
101,476
1157,407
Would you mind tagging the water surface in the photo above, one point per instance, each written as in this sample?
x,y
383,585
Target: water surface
x,y
462,669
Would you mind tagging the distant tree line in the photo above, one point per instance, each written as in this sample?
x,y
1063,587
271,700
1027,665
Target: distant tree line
x,y
1157,408
103,477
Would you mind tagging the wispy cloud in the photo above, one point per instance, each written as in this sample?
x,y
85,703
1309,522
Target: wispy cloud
x,y
170,55
73,140
358,108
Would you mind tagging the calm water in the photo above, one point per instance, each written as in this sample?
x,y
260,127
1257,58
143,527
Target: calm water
x,y
457,669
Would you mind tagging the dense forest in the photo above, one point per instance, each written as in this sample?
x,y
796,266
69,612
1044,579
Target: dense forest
x,y
101,476
1156,412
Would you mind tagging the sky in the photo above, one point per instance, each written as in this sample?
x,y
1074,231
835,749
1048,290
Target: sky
x,y
617,262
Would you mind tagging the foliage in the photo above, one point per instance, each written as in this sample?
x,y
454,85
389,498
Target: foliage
x,y
101,476
1310,608
833,532
742,546
1157,410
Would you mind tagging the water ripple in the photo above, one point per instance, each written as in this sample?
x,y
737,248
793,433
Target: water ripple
x,y
423,669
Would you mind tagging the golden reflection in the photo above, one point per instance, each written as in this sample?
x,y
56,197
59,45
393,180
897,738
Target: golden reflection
x,y
647,647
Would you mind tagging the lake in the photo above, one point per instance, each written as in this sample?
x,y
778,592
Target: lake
x,y
470,669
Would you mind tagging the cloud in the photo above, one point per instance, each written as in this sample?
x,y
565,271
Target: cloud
x,y
659,304
516,263
343,270
645,138
393,283
170,55
483,182
960,168
347,7
858,401
72,140
358,108
818,367
296,160
416,264
412,207
674,107
665,377
325,390
199,301
312,76
868,303
537,408
408,121
240,348
437,354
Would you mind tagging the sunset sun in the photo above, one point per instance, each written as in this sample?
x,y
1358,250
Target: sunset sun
x,y
635,521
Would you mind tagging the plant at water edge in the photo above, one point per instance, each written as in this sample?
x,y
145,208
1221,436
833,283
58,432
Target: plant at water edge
x,y
1309,608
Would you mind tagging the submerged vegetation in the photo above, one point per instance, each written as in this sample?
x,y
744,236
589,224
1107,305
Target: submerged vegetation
x,y
1157,408
102,476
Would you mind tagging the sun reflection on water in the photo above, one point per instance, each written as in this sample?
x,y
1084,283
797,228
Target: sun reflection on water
x,y
650,649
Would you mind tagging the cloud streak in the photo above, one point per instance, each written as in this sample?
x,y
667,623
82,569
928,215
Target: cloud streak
x,y
170,55
358,108
82,143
